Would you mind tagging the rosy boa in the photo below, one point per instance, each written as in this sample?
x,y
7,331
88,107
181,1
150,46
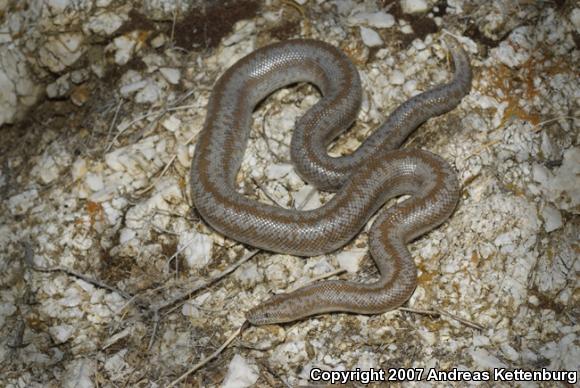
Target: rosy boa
x,y
363,180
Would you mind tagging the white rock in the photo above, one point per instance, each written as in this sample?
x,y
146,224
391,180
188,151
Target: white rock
x,y
370,37
277,273
547,145
128,89
158,41
231,54
552,218
397,78
124,47
71,297
116,159
20,203
240,373
541,174
350,260
278,171
18,90
170,74
272,17
59,88
171,123
46,170
79,76
106,194
480,340
379,19
564,354
190,310
58,5
116,366
410,87
561,187
414,6
150,93
153,61
484,360
455,7
79,373
183,155
8,95
248,275
126,235
419,45
196,248
78,169
94,181
61,51
407,29
61,333
243,30
509,352
105,23
515,50
307,198
6,310
428,336
290,353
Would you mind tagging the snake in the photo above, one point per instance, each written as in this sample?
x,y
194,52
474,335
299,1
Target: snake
x,y
363,181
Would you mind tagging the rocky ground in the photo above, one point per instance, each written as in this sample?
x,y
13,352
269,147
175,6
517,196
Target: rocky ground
x,y
106,268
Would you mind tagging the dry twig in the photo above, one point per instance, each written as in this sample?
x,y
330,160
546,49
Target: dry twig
x,y
210,357
29,259
436,313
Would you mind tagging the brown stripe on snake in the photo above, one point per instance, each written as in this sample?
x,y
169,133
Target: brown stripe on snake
x,y
363,180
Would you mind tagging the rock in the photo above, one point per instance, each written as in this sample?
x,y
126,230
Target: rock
x,y
410,87
94,181
516,50
61,51
414,6
562,186
125,46
79,373
240,373
484,360
196,248
350,260
59,88
79,169
377,19
18,89
278,171
61,333
149,94
397,78
171,75
104,24
20,203
370,37
552,218
171,123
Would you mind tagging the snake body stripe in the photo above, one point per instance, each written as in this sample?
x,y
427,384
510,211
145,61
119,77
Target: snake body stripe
x,y
363,180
